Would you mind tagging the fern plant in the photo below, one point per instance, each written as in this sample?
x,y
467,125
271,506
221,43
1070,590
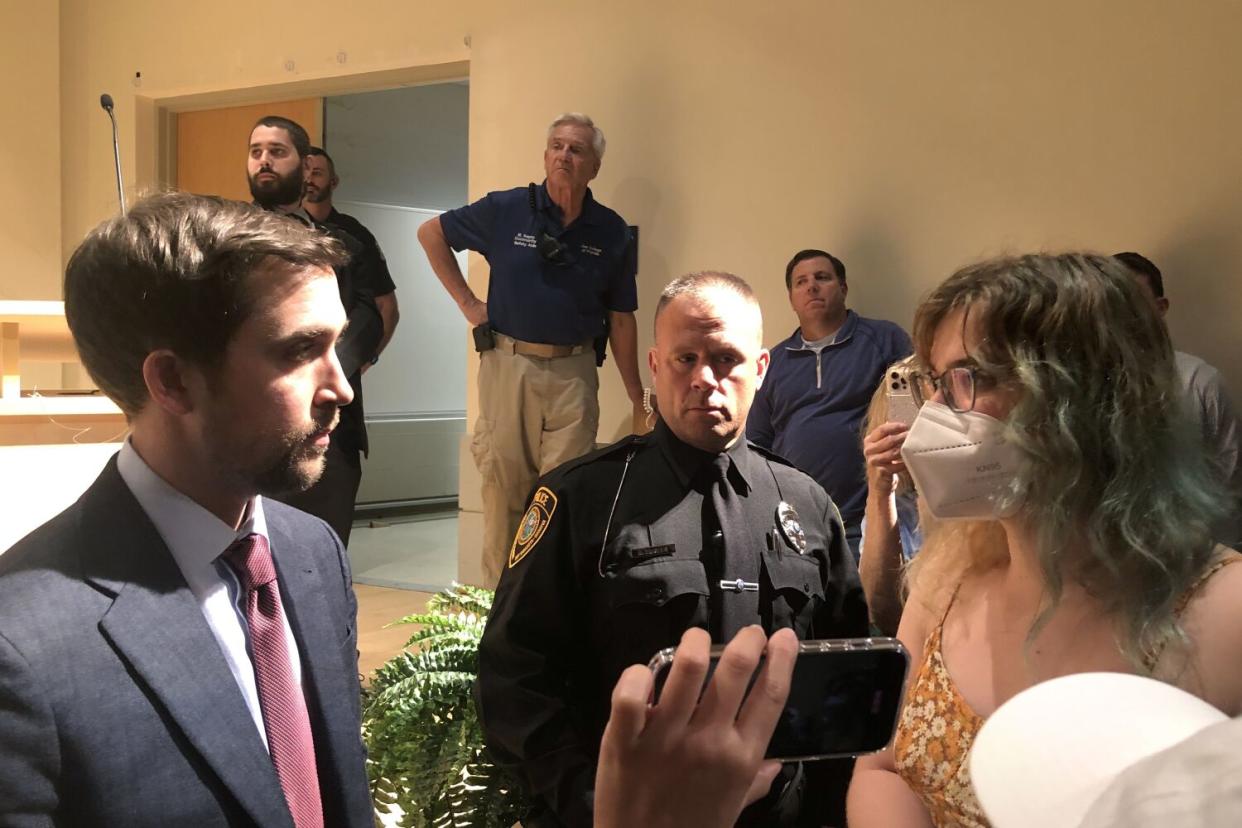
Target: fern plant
x,y
424,740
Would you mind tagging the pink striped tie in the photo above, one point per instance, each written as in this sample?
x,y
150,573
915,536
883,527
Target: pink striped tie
x,y
288,727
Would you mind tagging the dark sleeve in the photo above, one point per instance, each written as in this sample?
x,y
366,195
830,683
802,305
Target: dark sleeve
x,y
361,338
470,227
623,286
375,274
362,335
901,347
29,758
759,422
844,613
523,692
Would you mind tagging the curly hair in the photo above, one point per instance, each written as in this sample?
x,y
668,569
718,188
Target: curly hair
x,y
1117,485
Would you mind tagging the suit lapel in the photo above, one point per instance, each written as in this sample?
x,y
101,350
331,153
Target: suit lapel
x,y
157,627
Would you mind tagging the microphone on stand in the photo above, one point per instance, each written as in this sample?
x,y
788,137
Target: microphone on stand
x,y
105,100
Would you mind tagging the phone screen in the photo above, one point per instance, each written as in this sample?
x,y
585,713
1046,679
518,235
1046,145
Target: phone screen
x,y
842,702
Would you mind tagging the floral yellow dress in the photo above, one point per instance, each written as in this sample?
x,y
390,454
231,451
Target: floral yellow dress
x,y
934,736
937,729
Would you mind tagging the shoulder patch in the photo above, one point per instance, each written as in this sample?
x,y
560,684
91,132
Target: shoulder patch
x,y
534,524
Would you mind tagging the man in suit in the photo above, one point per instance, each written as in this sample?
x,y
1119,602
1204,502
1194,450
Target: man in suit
x,y
176,648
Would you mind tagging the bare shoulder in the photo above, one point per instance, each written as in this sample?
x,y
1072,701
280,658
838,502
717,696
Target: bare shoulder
x,y
1213,623
923,610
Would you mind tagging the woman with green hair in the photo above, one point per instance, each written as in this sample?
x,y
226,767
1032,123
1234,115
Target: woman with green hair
x,y
1073,504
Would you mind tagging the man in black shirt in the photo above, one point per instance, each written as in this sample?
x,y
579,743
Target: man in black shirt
x,y
321,183
276,169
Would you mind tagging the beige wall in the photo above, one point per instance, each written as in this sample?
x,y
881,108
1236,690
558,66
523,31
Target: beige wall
x,y
907,137
30,151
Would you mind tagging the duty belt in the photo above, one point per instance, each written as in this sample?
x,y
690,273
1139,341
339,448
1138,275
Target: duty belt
x,y
539,349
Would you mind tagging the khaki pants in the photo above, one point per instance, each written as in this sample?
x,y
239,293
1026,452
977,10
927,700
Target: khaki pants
x,y
534,415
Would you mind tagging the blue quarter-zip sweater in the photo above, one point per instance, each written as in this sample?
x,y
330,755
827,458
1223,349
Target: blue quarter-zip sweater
x,y
811,407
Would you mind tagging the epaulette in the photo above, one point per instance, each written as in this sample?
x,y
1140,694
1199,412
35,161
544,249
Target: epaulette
x,y
631,441
771,455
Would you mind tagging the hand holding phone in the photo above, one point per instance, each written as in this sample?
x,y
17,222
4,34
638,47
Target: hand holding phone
x,y
844,697
686,760
901,405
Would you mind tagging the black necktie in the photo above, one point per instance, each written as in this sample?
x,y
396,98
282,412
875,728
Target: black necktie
x,y
739,568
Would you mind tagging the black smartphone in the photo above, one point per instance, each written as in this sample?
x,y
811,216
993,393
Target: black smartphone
x,y
844,697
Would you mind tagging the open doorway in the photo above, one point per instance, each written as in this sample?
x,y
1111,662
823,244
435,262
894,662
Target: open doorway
x,y
401,156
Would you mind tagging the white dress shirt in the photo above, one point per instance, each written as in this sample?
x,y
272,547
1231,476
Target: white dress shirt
x,y
197,540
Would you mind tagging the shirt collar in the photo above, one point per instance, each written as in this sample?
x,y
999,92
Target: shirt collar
x,y
686,461
300,214
194,536
842,335
590,208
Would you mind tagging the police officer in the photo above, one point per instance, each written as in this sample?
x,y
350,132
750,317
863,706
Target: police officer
x,y
562,268
622,550
276,169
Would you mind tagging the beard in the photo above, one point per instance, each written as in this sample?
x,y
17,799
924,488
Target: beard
x,y
276,465
317,195
279,192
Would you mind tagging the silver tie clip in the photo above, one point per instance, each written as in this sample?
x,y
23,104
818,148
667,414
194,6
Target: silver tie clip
x,y
739,586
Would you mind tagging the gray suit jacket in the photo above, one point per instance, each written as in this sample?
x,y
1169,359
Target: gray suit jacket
x,y
117,707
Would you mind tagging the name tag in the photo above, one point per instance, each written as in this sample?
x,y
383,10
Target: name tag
x,y
646,553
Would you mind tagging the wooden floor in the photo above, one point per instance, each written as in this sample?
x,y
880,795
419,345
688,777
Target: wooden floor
x,y
378,607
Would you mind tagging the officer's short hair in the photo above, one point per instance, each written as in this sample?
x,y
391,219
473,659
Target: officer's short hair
x,y
697,284
175,272
577,118
297,133
1145,267
812,253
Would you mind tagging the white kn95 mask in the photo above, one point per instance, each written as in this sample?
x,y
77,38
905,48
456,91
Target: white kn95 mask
x,y
961,465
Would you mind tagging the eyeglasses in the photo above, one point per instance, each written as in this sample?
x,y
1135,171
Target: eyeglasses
x,y
957,386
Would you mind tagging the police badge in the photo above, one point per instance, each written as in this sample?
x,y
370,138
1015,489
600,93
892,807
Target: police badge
x,y
791,528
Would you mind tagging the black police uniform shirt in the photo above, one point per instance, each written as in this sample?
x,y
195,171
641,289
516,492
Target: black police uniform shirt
x,y
536,300
379,276
573,609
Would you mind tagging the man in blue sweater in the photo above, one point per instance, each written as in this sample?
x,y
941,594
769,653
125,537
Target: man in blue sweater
x,y
811,406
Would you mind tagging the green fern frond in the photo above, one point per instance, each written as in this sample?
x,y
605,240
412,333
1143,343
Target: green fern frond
x,y
423,736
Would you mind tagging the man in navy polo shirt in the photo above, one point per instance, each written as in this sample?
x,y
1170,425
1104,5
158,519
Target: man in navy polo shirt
x,y
562,277
812,404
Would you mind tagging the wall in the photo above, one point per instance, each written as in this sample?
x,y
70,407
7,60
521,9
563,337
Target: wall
x,y
401,146
908,137
30,152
